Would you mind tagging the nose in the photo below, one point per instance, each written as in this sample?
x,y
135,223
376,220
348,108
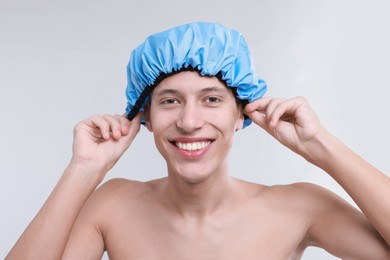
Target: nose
x,y
190,118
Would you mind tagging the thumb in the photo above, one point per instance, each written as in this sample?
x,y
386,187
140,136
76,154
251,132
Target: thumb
x,y
134,128
258,118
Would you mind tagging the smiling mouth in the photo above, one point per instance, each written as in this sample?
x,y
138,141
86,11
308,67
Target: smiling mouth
x,y
192,146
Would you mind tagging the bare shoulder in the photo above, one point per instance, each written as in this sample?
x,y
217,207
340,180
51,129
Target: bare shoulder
x,y
299,188
119,186
119,189
312,200
302,203
295,194
309,194
117,195
332,223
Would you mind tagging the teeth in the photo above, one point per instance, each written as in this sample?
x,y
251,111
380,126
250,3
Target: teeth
x,y
192,146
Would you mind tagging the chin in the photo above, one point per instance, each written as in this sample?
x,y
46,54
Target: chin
x,y
192,176
194,179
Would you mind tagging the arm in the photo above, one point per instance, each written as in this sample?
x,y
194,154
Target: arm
x,y
293,123
368,187
98,144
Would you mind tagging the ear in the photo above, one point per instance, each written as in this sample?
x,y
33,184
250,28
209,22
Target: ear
x,y
148,123
240,120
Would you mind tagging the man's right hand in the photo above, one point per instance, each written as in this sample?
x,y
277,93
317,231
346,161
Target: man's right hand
x,y
99,141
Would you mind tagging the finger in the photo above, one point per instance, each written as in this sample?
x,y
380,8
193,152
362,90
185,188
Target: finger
x,y
133,129
115,127
124,123
259,105
258,118
98,123
285,110
136,122
272,104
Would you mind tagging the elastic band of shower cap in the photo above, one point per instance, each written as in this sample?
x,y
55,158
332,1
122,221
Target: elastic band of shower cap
x,y
208,48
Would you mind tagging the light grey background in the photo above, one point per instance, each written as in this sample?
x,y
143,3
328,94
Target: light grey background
x,y
61,61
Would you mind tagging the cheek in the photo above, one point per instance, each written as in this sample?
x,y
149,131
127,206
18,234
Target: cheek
x,y
160,124
160,120
236,118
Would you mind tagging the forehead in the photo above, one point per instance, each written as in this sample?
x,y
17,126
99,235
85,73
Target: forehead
x,y
190,81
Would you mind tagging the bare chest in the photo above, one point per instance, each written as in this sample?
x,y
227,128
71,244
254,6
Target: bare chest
x,y
229,237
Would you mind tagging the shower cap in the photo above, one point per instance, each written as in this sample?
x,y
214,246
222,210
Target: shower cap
x,y
208,48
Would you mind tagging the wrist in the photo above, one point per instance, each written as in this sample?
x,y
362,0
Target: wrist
x,y
89,172
319,149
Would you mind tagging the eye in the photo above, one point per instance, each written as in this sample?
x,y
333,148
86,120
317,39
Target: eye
x,y
213,100
168,101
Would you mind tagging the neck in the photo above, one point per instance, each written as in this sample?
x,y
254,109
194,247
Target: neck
x,y
202,198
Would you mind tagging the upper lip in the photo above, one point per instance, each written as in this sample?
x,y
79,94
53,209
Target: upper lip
x,y
191,139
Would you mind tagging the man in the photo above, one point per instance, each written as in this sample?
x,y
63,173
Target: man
x,y
194,86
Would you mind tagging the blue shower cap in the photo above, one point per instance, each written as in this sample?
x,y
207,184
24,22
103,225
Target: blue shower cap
x,y
208,48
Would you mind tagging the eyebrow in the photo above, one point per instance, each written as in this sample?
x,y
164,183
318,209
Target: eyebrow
x,y
167,91
204,90
213,89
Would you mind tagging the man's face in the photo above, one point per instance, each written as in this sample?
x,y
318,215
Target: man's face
x,y
193,119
